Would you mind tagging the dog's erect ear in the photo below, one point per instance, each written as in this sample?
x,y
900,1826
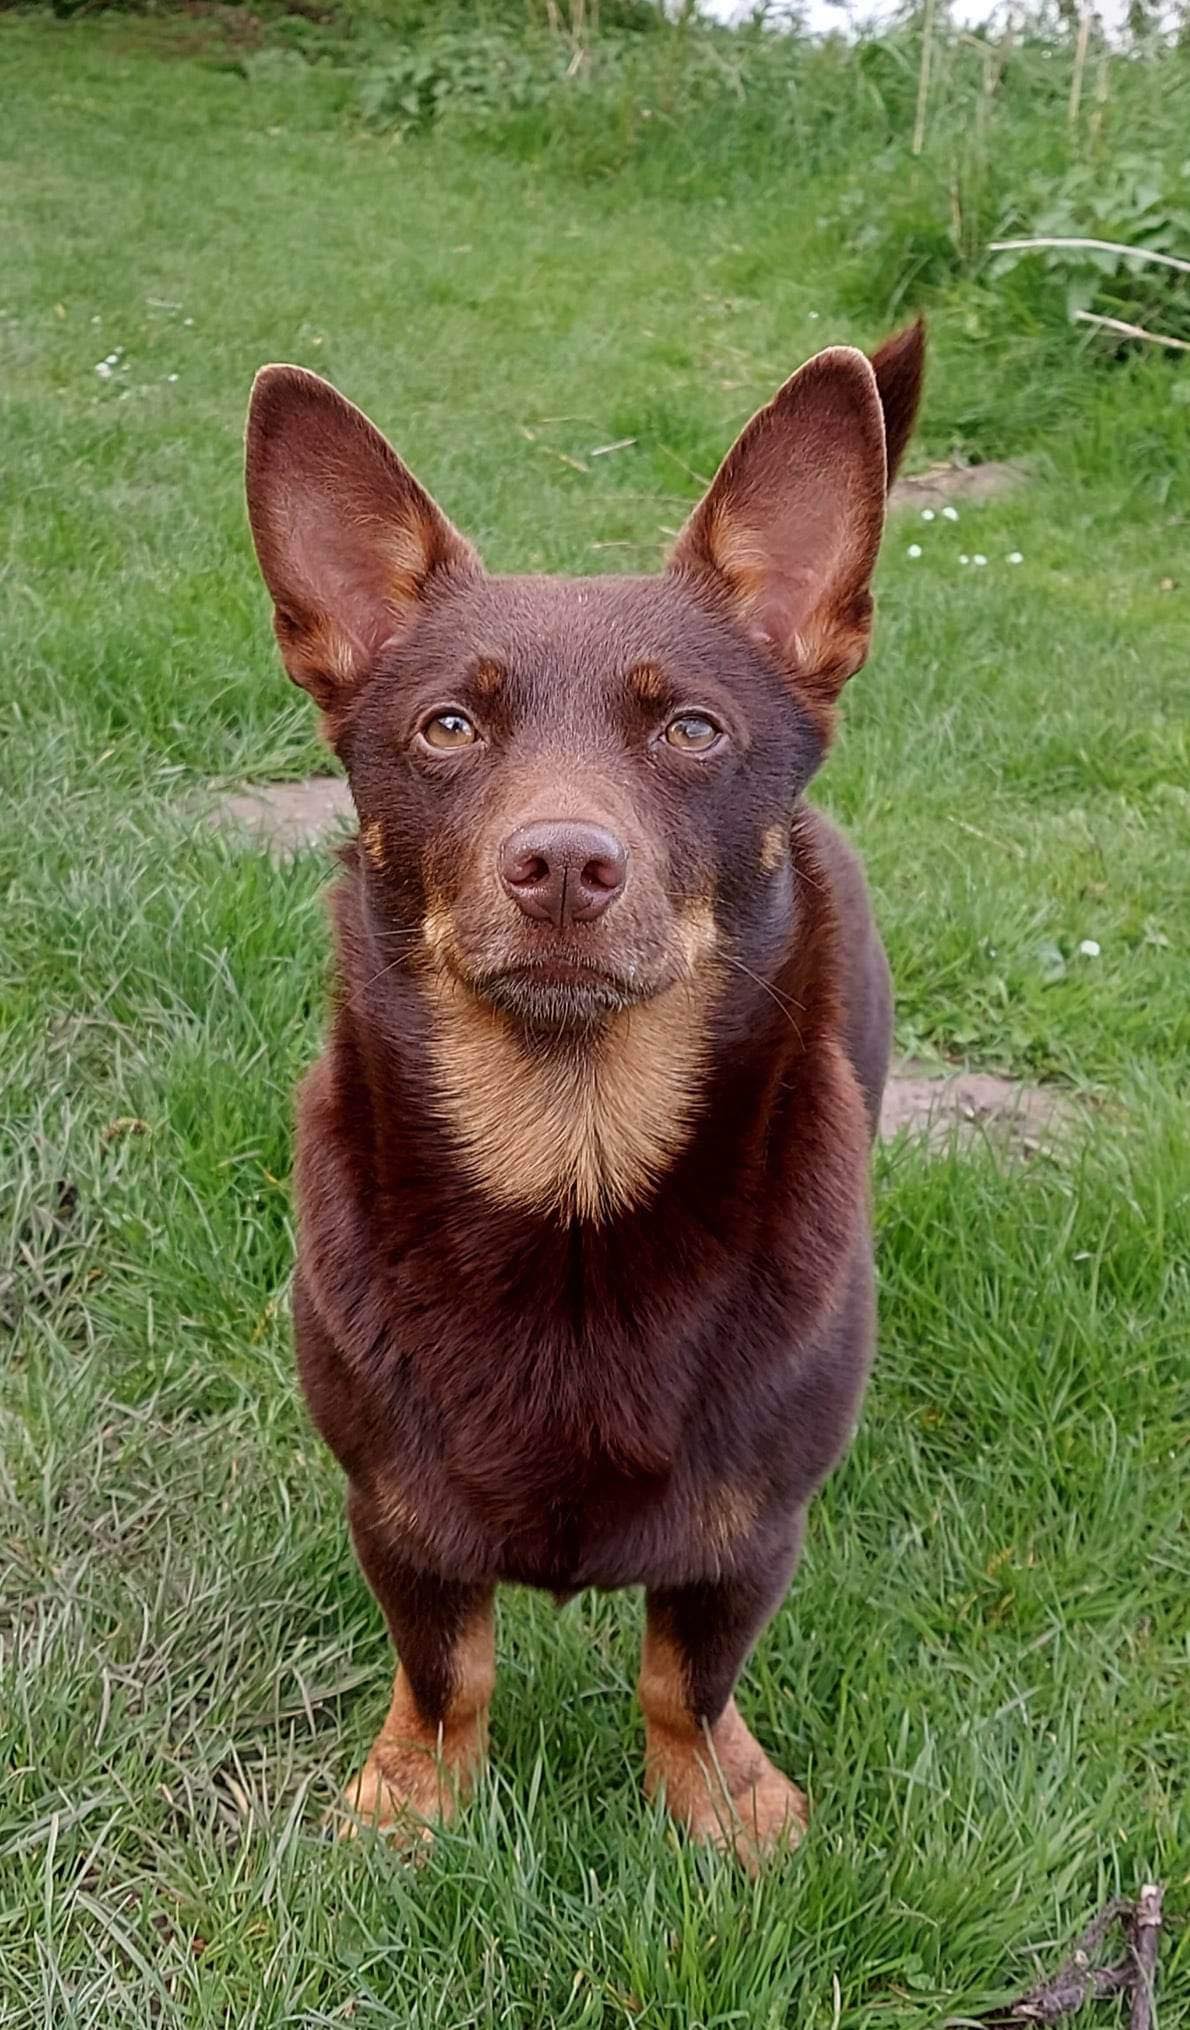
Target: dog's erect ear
x,y
899,367
786,536
347,540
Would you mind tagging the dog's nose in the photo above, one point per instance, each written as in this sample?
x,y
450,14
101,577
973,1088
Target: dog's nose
x,y
562,873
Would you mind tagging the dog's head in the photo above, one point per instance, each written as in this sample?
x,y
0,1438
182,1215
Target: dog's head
x,y
573,792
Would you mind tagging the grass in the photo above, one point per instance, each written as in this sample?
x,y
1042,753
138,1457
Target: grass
x,y
981,1671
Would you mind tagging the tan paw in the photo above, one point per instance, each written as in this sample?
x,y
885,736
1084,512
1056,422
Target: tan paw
x,y
720,1785
402,1792
770,1817
415,1777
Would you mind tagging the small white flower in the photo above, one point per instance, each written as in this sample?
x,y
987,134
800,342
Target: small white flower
x,y
1015,557
964,558
914,550
950,514
979,558
103,369
813,316
187,320
171,377
1090,948
95,320
927,514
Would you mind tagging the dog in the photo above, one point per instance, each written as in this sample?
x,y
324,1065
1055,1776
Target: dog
x,y
584,1291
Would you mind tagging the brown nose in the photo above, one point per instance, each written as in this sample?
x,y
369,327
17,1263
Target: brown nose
x,y
562,873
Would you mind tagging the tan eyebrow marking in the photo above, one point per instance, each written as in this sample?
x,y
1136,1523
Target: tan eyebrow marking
x,y
648,683
488,678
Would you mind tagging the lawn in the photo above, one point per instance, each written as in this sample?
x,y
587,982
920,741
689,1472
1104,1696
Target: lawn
x,y
981,1673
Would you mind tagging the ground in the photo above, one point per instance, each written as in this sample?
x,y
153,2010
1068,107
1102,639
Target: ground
x,y
976,1677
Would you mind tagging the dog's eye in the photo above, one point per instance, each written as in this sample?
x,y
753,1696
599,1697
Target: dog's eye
x,y
692,733
447,731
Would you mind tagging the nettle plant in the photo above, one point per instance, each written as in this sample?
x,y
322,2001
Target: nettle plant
x,y
1134,203
457,73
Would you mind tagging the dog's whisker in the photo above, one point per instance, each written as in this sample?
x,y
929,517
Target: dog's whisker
x,y
788,1007
384,970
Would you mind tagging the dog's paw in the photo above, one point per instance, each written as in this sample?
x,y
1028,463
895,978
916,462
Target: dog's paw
x,y
721,1787
768,1818
403,1791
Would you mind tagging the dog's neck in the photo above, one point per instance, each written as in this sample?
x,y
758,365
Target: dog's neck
x,y
579,1127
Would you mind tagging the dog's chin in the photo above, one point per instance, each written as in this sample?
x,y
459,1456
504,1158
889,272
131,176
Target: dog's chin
x,y
549,1001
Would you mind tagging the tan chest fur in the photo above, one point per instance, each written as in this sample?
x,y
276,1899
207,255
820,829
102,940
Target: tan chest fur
x,y
584,1130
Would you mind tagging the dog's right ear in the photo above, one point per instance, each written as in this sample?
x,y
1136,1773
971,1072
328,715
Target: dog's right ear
x,y
348,542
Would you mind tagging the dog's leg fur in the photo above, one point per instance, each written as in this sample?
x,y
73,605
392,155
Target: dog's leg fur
x,y
434,1740
716,1779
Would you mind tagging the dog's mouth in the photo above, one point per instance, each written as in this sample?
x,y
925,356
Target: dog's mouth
x,y
554,993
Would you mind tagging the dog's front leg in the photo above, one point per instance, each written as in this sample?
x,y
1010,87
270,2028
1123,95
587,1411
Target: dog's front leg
x,y
426,1756
715,1778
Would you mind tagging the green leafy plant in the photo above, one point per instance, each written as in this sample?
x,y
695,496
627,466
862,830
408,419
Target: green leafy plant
x,y
1133,202
461,74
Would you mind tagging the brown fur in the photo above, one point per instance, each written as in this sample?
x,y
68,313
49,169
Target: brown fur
x,y
584,1293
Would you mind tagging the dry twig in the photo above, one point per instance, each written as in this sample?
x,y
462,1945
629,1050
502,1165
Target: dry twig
x,y
1131,330
923,77
1096,246
1146,1935
1078,1981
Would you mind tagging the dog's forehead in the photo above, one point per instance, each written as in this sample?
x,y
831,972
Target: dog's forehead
x,y
585,630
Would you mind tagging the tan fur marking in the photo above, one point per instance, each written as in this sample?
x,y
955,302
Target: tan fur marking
x,y
727,1514
320,650
773,848
716,1781
648,683
698,933
392,1508
436,930
585,1130
739,550
487,679
407,548
372,841
417,1772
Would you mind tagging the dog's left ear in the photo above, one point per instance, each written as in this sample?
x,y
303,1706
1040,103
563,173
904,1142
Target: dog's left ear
x,y
787,535
899,366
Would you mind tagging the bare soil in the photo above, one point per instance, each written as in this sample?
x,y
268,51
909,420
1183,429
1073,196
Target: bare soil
x,y
948,485
288,815
973,1106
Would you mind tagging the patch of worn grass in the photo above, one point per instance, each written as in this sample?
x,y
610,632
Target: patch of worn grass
x,y
978,1671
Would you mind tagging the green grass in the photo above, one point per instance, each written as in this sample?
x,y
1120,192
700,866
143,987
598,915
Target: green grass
x,y
981,1671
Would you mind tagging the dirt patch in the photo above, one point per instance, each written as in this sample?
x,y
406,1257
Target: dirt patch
x,y
947,485
972,1106
289,815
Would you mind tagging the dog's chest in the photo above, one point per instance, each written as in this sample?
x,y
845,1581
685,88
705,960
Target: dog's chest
x,y
548,1423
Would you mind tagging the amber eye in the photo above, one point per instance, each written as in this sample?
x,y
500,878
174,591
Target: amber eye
x,y
692,733
447,731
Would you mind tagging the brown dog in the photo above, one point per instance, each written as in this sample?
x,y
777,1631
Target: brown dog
x,y
585,1291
